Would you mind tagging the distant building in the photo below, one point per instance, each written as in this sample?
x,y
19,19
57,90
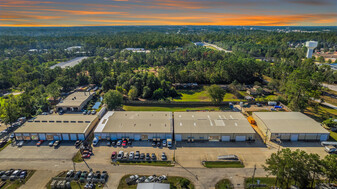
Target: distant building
x,y
137,50
199,44
75,101
185,85
73,48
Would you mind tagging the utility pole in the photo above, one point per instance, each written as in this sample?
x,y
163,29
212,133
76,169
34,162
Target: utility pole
x,y
253,175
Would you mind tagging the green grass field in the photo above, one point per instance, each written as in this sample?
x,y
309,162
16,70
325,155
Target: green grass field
x,y
170,109
224,184
200,96
322,113
333,136
175,182
77,157
263,180
223,164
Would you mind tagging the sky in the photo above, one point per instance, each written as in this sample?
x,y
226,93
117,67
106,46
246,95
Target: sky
x,y
49,13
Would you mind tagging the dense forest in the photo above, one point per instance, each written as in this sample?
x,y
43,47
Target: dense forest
x,y
173,58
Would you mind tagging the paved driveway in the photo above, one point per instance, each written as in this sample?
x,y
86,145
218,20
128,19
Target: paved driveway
x,y
30,151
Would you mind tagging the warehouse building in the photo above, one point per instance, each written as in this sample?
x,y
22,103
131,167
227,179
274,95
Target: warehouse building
x,y
135,125
212,126
57,127
75,101
292,126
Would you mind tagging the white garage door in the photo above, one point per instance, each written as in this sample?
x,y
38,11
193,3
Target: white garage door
x,y
324,137
42,136
137,137
294,137
73,137
178,137
65,136
240,138
225,138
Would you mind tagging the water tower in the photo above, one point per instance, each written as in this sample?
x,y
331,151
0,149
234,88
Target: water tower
x,y
310,45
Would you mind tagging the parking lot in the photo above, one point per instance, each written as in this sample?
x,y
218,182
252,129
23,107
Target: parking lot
x,y
29,151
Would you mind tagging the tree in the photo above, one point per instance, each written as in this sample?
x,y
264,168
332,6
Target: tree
x,y
133,93
108,83
330,167
113,99
10,110
158,94
216,93
53,90
147,93
321,59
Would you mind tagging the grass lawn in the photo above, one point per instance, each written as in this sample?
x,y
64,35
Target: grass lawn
x,y
193,95
8,143
224,184
175,182
171,109
333,136
17,184
322,113
263,180
148,163
210,47
77,157
223,164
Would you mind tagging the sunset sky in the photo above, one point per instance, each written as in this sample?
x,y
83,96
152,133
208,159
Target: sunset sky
x,y
167,12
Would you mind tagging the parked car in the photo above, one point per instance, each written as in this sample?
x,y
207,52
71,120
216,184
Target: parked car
x,y
108,143
126,155
57,143
85,112
114,155
147,157
113,143
164,143
124,143
104,177
77,175
15,174
86,155
78,143
20,143
129,142
23,174
142,156
96,177
90,176
84,174
119,142
158,143
154,143
89,112
95,141
51,143
120,155
70,173
2,173
12,136
93,112
131,156
137,154
153,156
163,156
39,143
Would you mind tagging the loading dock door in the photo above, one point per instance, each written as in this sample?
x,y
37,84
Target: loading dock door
x,y
214,138
294,137
34,136
324,137
80,136
145,137
178,137
225,138
137,137
56,137
42,136
65,136
73,137
240,138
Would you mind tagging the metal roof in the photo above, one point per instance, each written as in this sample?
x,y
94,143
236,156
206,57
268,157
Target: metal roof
x,y
153,186
289,122
211,122
75,99
136,122
67,123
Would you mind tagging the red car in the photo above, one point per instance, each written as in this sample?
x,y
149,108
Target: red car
x,y
85,155
113,155
124,143
39,143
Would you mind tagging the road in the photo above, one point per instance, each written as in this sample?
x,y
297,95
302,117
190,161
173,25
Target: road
x,y
202,178
217,47
326,104
331,87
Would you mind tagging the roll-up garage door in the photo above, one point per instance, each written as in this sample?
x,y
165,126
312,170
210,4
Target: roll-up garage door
x,y
34,136
285,136
178,137
73,137
324,137
225,138
26,136
240,138
137,137
294,137
42,136
65,136
311,137
50,137
114,137
81,136
214,138
57,137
